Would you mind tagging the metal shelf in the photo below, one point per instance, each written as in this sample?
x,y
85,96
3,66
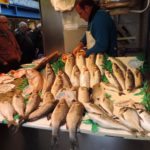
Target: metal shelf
x,y
19,11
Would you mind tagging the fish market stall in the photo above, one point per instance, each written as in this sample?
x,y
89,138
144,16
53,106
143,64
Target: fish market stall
x,y
98,95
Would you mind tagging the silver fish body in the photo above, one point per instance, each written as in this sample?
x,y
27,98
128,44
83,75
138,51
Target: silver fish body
x,y
85,77
58,84
93,108
33,103
58,117
48,97
99,62
119,75
112,80
80,61
7,112
73,119
107,122
49,78
19,104
75,76
65,79
83,95
120,64
90,61
95,76
129,80
70,62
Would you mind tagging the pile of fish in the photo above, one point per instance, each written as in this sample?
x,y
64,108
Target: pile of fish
x,y
83,75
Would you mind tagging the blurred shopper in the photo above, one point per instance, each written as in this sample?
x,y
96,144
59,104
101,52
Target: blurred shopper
x,y
38,41
10,54
26,44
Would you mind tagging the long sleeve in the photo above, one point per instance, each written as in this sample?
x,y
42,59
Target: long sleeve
x,y
104,32
83,40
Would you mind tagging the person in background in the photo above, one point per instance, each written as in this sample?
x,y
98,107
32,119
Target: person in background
x,y
101,34
10,54
38,41
24,39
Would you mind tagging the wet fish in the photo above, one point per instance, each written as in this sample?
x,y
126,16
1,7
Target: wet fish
x,y
35,79
107,122
138,78
85,77
43,110
75,76
120,64
49,78
93,108
99,62
130,118
70,62
107,105
18,104
95,76
144,119
32,104
97,93
65,79
83,95
129,80
58,118
48,97
90,61
58,84
7,111
112,80
119,75
73,119
80,61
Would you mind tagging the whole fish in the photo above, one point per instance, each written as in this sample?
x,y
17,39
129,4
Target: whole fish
x,y
75,76
120,64
83,95
129,80
95,76
49,78
65,79
32,104
19,104
99,62
85,77
80,61
112,80
107,122
137,78
58,84
7,111
119,75
73,119
70,62
93,108
35,79
97,93
58,118
48,97
43,110
144,119
90,61
130,118
107,105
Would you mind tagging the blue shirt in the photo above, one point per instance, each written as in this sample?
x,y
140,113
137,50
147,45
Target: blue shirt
x,y
103,30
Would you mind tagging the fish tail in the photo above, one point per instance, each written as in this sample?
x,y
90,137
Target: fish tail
x,y
54,140
54,135
10,123
73,141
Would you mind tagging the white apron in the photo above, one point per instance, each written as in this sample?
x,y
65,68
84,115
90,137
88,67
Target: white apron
x,y
89,40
